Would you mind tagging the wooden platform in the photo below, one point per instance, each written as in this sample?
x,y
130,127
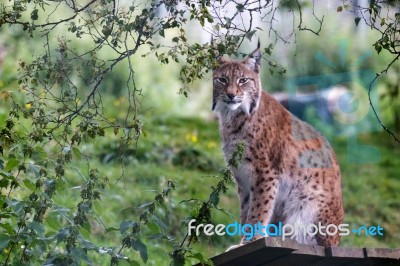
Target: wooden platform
x,y
273,251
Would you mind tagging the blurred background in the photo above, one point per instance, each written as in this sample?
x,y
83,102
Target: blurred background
x,y
324,80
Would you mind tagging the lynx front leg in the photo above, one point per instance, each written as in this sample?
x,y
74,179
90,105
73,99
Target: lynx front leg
x,y
244,198
262,202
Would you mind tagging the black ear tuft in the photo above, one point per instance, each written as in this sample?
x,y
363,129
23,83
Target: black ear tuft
x,y
253,61
213,105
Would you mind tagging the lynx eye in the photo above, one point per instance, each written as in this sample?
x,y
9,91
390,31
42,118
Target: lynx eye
x,y
222,80
242,81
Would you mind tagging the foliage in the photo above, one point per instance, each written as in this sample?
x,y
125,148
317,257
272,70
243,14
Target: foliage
x,y
382,17
202,213
391,95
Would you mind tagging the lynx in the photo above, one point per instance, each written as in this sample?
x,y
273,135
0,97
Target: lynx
x,y
289,172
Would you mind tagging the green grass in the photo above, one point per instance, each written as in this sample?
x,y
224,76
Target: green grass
x,y
370,191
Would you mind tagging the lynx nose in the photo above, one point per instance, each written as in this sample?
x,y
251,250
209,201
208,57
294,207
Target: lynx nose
x,y
230,96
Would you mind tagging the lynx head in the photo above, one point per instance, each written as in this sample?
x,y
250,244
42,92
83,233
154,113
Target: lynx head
x,y
236,84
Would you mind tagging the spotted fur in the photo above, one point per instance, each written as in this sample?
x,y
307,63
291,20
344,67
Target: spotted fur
x,y
289,172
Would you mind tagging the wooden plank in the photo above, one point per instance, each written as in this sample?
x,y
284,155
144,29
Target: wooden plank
x,y
229,257
255,253
278,242
382,253
339,256
304,255
273,251
382,256
342,252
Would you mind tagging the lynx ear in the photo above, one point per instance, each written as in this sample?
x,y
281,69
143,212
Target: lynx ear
x,y
253,61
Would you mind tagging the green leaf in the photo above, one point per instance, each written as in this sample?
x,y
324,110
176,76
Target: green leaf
x,y
110,229
339,9
89,245
4,239
250,34
39,245
77,153
84,232
146,205
357,20
7,227
11,164
139,246
62,234
4,182
6,214
97,207
106,31
29,185
378,48
34,14
159,222
78,254
178,258
153,227
52,223
214,198
34,169
201,259
40,152
125,225
160,237
37,227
